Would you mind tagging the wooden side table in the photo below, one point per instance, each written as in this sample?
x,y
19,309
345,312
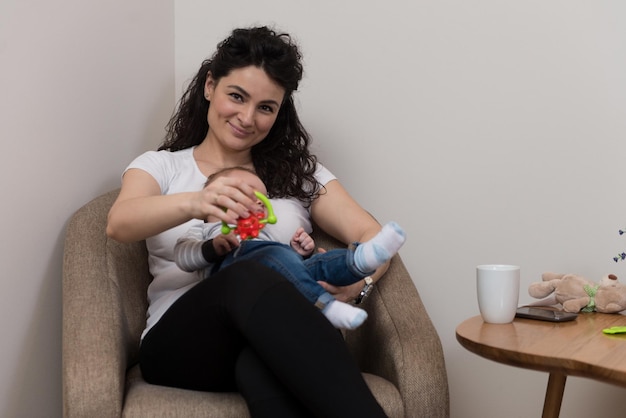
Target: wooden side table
x,y
574,348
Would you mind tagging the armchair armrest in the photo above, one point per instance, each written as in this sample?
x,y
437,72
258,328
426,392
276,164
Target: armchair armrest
x,y
399,342
99,341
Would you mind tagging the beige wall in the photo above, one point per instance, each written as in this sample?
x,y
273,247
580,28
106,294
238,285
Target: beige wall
x,y
492,130
84,87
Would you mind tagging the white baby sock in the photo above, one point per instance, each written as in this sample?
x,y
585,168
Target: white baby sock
x,y
343,315
377,251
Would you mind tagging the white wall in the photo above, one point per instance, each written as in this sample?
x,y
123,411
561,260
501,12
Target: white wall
x,y
494,131
502,124
84,87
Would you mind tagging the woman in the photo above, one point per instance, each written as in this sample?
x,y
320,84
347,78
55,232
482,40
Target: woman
x,y
246,328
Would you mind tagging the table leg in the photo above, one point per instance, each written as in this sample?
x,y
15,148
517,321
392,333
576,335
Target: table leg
x,y
554,395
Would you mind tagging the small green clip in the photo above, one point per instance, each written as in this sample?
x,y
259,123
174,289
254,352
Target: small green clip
x,y
615,330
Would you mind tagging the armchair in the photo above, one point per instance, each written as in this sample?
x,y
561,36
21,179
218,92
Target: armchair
x,y
104,307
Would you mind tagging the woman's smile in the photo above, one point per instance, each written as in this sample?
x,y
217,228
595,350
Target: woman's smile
x,y
239,132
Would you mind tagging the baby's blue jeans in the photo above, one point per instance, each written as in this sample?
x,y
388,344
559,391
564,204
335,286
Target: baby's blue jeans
x,y
335,267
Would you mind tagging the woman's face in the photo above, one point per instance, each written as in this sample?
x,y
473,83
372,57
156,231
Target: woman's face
x,y
244,107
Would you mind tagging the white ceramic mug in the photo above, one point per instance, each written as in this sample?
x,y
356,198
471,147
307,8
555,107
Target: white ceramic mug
x,y
497,286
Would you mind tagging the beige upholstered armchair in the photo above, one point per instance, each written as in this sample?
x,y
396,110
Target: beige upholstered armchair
x,y
104,306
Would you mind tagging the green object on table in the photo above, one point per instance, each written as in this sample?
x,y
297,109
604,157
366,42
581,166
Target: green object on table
x,y
615,330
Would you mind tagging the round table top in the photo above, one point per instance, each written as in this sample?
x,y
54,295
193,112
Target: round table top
x,y
576,348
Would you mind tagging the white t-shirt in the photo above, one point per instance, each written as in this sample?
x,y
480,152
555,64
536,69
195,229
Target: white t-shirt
x,y
177,172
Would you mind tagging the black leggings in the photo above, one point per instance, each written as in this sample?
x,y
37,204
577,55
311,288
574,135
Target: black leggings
x,y
248,329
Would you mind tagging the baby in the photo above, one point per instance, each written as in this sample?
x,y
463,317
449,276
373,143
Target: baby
x,y
204,248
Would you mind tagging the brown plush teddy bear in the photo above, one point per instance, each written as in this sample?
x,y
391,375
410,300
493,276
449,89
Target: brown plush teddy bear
x,y
576,293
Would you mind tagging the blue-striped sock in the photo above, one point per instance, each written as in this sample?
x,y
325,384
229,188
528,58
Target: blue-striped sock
x,y
377,251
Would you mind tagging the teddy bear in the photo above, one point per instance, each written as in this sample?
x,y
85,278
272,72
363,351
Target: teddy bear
x,y
576,293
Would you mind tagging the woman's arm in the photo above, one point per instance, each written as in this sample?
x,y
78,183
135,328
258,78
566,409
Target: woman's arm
x,y
141,211
339,215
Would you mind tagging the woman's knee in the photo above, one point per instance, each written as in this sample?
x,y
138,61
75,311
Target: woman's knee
x,y
251,275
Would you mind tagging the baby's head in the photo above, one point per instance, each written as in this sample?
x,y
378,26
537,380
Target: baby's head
x,y
245,174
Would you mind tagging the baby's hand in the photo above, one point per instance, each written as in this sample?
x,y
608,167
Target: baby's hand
x,y
225,243
302,242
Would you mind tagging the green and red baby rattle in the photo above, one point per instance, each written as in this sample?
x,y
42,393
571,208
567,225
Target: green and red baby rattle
x,y
248,228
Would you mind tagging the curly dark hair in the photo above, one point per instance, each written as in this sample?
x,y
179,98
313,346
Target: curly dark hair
x,y
282,160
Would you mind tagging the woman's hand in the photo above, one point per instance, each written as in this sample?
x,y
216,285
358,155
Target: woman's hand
x,y
141,211
226,199
344,293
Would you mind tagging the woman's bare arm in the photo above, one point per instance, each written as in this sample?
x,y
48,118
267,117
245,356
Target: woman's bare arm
x,y
339,215
141,211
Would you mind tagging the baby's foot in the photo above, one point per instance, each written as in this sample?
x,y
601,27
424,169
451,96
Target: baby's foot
x,y
377,251
343,315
